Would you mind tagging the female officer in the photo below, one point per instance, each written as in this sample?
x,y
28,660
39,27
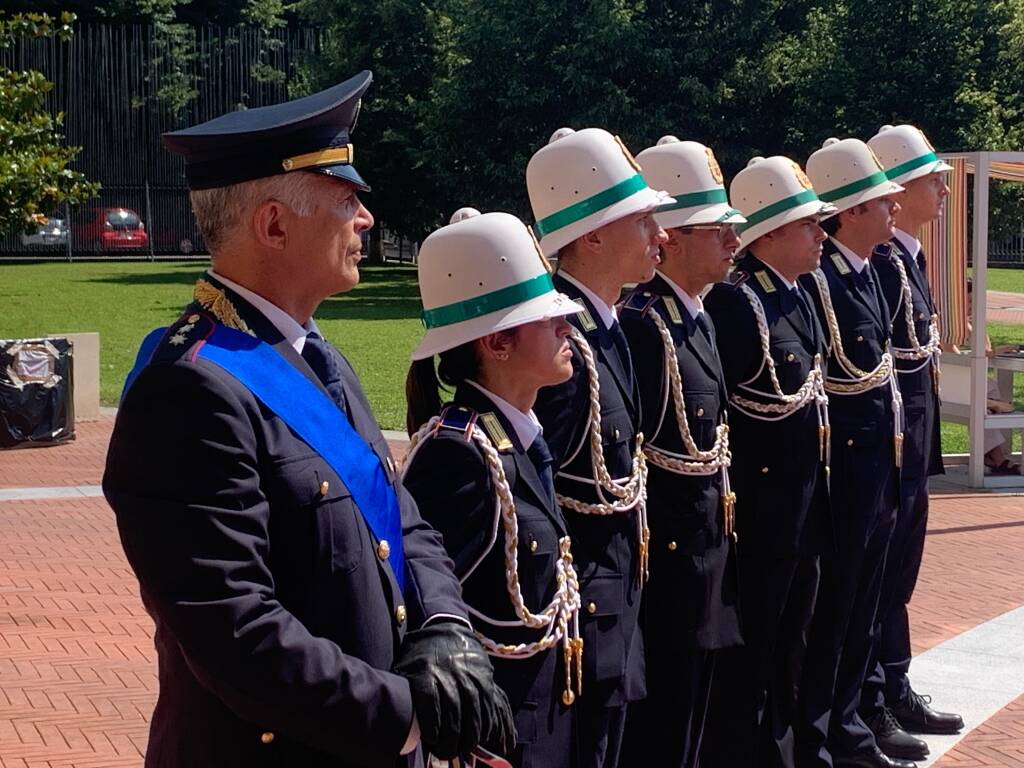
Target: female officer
x,y
480,470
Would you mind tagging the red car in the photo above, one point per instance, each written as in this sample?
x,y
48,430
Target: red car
x,y
108,229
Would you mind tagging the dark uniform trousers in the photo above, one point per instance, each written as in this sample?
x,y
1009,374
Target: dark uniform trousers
x,y
605,547
689,606
277,623
887,682
782,521
864,491
449,479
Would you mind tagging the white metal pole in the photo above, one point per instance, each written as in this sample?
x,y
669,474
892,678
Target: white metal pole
x,y
979,362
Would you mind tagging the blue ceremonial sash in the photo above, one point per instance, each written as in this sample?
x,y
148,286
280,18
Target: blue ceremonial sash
x,y
313,416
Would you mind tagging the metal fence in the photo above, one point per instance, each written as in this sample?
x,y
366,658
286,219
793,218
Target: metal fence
x,y
1007,253
112,82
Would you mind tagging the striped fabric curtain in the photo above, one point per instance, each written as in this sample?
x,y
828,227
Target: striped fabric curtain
x,y
944,242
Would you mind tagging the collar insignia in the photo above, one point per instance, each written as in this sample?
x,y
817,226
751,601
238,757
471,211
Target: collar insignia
x,y
765,281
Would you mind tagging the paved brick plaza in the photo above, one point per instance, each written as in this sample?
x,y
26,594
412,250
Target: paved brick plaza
x,y
77,666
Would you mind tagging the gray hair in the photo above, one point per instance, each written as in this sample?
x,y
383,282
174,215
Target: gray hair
x,y
221,209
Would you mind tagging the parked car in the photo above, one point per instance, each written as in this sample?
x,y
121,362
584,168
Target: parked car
x,y
108,229
53,233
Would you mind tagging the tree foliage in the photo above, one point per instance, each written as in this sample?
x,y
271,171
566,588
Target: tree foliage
x,y
467,90
34,173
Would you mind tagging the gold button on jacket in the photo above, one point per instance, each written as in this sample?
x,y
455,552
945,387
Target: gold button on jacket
x,y
383,549
400,614
267,737
591,607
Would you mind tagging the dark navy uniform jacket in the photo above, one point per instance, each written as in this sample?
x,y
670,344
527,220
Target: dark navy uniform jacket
x,y
454,491
277,622
862,424
922,444
605,547
777,473
691,563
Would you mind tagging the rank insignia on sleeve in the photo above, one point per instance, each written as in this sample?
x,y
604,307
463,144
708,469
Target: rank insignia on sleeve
x,y
673,309
765,281
586,320
639,301
737,277
458,419
841,263
496,432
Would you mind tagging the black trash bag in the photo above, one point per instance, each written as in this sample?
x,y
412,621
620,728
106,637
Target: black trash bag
x,y
36,392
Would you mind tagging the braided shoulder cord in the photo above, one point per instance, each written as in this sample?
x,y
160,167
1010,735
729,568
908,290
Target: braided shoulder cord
x,y
629,493
560,618
695,461
883,375
859,381
915,351
812,389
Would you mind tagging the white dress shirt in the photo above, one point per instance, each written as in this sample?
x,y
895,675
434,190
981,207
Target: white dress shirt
x,y
856,261
694,304
526,425
608,314
788,283
294,333
911,243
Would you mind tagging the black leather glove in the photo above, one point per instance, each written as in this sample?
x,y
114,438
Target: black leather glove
x,y
456,701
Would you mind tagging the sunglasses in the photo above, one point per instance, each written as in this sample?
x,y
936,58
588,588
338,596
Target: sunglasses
x,y
724,231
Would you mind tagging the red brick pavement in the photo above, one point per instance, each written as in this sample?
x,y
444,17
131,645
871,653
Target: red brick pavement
x,y
78,462
973,567
77,667
1004,307
997,743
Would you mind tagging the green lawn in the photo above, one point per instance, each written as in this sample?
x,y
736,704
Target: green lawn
x,y
1006,280
376,325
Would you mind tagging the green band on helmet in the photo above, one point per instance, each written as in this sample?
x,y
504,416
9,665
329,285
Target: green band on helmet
x,y
593,204
488,302
910,165
873,180
807,196
694,198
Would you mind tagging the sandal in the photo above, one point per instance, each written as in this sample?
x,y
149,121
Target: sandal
x,y
1006,467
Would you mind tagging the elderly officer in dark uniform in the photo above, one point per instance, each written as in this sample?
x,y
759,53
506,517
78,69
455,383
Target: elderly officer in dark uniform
x,y
690,604
593,209
772,350
305,614
909,160
866,425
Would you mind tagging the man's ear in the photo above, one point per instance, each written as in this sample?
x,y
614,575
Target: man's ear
x,y
592,241
269,224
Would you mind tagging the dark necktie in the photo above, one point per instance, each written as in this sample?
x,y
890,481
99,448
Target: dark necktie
x,y
541,457
702,323
805,310
326,363
622,347
922,262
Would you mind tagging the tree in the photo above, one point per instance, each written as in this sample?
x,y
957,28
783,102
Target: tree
x,y
35,176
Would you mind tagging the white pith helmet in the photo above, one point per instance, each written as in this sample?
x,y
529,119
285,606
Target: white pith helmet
x,y
846,173
689,172
905,153
772,192
481,274
582,180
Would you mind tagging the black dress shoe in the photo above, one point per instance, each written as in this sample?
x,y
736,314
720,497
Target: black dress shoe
x,y
915,714
876,758
893,740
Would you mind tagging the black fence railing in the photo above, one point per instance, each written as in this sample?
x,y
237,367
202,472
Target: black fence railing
x,y
116,85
